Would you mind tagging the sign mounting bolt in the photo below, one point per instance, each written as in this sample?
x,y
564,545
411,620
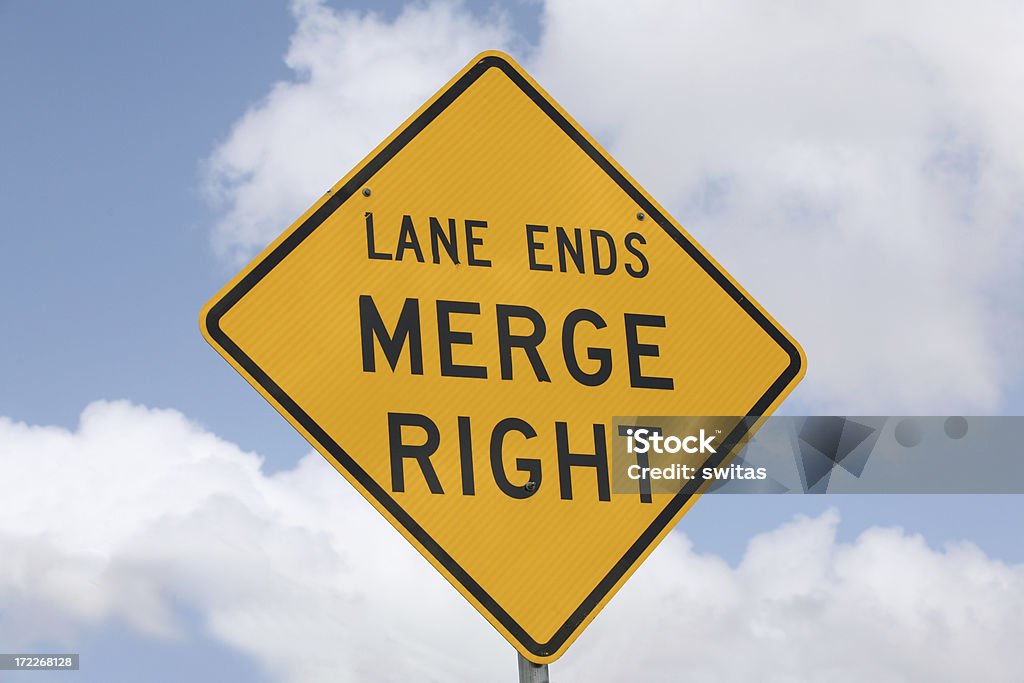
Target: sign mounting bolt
x,y
366,192
640,215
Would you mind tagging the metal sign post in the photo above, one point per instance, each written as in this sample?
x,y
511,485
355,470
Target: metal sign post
x,y
532,673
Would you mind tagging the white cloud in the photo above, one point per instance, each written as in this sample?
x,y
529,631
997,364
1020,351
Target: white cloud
x,y
802,607
858,166
138,513
357,77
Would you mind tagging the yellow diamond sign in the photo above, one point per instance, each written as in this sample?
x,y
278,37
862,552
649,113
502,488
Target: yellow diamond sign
x,y
454,325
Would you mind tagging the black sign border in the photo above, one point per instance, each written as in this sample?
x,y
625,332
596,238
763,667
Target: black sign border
x,y
261,269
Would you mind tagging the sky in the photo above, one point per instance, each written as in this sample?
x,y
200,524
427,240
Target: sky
x,y
859,168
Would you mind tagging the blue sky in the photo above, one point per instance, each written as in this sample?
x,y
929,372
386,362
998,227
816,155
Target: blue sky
x,y
120,120
109,111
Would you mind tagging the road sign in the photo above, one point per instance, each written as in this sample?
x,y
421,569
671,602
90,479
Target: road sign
x,y
455,323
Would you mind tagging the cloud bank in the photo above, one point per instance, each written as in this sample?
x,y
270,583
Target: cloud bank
x,y
139,513
857,166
